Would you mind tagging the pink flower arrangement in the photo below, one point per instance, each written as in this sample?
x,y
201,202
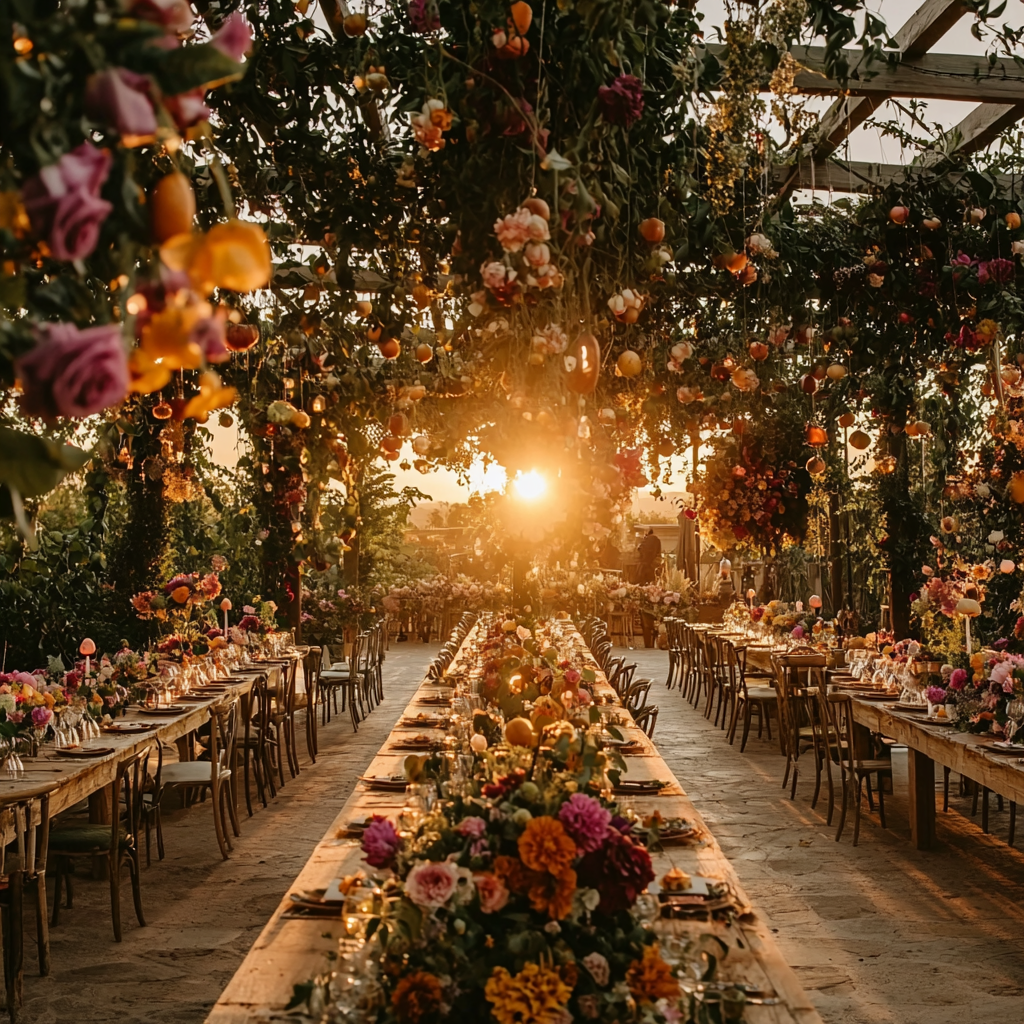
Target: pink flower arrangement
x,y
380,842
73,372
513,230
958,679
63,201
432,883
585,820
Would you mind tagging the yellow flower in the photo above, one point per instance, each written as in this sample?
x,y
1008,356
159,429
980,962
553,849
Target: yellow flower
x,y
212,395
545,846
528,997
147,374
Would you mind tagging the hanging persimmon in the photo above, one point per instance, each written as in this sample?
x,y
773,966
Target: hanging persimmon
x,y
172,206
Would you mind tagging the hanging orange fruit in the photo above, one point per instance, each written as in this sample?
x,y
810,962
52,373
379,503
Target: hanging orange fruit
x,y
241,337
582,379
399,425
629,364
816,436
390,348
846,419
521,17
815,466
652,230
354,24
859,440
172,206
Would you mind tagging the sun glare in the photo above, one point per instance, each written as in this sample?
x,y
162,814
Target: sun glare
x,y
529,486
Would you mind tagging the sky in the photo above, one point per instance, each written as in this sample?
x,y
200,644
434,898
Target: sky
x,y
866,143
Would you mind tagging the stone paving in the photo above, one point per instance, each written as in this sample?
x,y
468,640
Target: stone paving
x,y
203,913
880,933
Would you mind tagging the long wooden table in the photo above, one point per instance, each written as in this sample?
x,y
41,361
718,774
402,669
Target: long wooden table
x,y
963,753
292,949
76,779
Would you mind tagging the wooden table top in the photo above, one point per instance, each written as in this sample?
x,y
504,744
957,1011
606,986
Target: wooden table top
x,y
292,950
965,753
77,778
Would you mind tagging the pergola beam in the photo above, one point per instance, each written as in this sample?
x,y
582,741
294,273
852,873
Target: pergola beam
x,y
937,76
855,175
921,31
985,124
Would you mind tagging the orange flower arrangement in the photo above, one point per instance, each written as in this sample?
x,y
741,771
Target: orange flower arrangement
x,y
650,978
513,874
545,846
416,996
552,894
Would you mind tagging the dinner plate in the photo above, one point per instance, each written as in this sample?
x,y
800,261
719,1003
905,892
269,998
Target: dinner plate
x,y
628,787
389,783
129,727
167,710
84,752
1003,747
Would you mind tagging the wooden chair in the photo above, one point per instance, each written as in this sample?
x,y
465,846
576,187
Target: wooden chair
x,y
217,775
118,841
635,698
312,664
798,678
340,678
762,699
647,718
24,831
257,740
837,713
282,719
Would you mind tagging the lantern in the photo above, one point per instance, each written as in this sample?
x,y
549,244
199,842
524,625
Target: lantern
x,y
582,378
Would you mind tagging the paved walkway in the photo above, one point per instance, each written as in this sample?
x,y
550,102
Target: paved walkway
x,y
880,934
203,913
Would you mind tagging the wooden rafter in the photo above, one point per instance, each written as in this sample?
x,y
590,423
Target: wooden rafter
x,y
856,176
921,31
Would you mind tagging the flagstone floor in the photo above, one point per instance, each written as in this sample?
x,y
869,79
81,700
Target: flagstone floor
x,y
880,934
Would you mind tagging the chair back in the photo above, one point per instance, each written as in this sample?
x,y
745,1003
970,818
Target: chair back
x,y
127,788
224,735
635,697
312,666
646,719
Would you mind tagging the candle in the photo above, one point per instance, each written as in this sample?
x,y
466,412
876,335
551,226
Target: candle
x,y
225,607
87,647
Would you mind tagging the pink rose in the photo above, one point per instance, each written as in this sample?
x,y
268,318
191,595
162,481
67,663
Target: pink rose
x,y
41,716
431,883
513,231
472,826
174,15
71,372
119,98
187,108
63,201
492,892
234,37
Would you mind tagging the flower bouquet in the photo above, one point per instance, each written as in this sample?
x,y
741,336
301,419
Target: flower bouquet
x,y
28,702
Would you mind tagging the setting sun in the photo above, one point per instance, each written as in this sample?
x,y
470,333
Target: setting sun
x,y
529,486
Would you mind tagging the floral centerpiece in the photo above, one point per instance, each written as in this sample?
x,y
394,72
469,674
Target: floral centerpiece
x,y
112,681
986,698
178,597
28,702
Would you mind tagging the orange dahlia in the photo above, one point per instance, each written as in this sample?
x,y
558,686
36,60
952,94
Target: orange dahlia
x,y
545,846
512,872
552,894
416,996
650,978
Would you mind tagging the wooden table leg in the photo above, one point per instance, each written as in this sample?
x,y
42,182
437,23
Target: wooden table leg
x,y
922,799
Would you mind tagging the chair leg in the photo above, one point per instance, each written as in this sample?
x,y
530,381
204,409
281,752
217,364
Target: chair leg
x,y
114,868
246,781
984,809
881,803
842,810
133,871
735,719
945,788
218,824
856,814
14,975
159,833
817,779
57,872
42,925
871,799
232,802
746,724
1013,822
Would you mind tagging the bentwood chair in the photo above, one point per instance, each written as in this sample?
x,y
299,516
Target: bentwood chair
x,y
216,776
750,699
118,842
854,772
798,679
283,719
647,718
257,742
342,678
312,665
24,832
